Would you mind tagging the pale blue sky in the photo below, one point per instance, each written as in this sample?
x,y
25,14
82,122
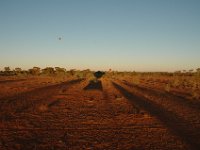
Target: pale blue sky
x,y
141,35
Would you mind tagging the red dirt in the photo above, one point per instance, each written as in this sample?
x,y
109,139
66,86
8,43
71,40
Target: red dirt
x,y
110,114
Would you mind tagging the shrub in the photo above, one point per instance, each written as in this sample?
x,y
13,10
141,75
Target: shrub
x,y
59,70
167,87
48,71
6,69
34,71
79,75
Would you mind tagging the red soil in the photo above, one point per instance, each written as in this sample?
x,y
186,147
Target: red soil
x,y
111,114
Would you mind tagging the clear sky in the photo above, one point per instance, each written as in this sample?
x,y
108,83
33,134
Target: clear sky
x,y
141,35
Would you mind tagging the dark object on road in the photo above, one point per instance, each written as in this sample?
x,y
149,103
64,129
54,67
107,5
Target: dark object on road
x,y
99,74
94,85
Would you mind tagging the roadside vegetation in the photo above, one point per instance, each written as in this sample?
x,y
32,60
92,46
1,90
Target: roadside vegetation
x,y
151,105
182,83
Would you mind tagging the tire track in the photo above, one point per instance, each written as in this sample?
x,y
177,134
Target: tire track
x,y
133,115
176,99
21,127
24,101
182,108
82,118
12,81
169,119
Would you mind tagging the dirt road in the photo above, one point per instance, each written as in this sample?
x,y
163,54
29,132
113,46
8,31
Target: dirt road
x,y
109,114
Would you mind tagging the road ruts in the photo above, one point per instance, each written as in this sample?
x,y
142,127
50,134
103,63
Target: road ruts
x,y
180,119
23,115
82,115
143,130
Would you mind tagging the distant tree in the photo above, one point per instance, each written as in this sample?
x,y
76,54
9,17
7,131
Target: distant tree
x,y
6,69
191,70
48,71
177,73
79,74
184,71
34,71
18,69
31,71
24,72
59,70
72,72
87,73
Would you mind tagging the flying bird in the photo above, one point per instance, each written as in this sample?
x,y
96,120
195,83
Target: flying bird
x,y
59,38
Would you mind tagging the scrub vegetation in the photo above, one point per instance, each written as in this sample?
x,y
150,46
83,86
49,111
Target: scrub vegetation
x,y
56,108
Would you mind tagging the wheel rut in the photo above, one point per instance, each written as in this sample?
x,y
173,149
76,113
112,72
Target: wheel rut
x,y
174,123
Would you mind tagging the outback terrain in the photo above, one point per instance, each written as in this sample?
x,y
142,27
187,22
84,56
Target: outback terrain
x,y
113,112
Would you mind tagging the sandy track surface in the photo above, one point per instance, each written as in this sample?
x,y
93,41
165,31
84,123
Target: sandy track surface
x,y
104,115
180,115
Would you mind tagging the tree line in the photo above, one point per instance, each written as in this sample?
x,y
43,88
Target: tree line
x,y
37,71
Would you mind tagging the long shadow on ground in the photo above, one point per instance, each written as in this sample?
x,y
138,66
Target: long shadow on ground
x,y
21,101
178,126
94,85
172,97
11,81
